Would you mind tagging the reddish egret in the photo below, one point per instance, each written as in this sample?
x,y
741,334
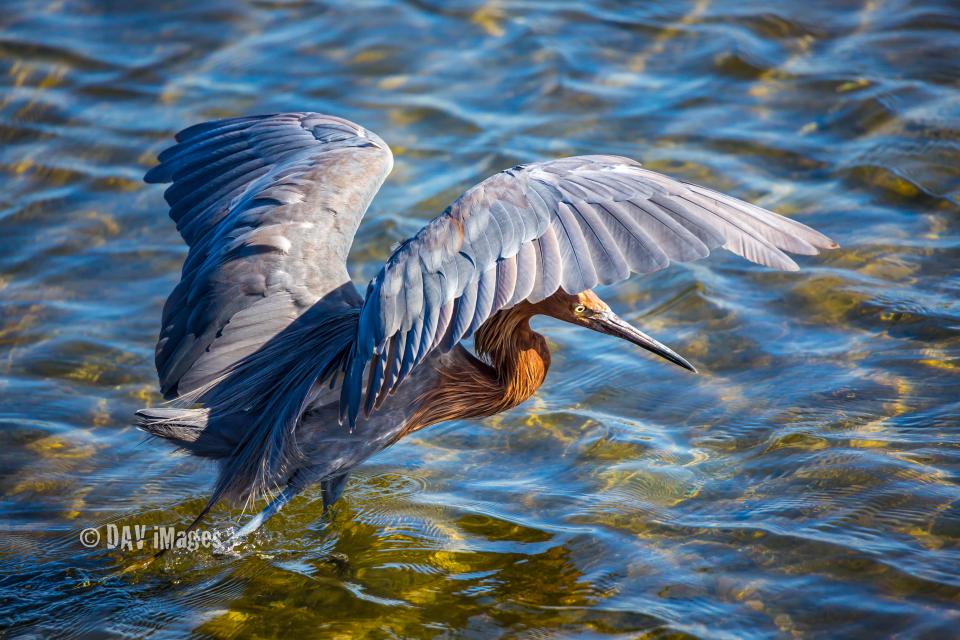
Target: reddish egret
x,y
285,375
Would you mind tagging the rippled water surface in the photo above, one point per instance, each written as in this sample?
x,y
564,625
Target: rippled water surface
x,y
805,484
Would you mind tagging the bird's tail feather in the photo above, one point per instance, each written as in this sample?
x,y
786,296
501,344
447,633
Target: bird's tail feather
x,y
187,428
181,426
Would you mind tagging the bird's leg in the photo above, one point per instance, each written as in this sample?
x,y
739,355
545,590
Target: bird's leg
x,y
331,488
268,512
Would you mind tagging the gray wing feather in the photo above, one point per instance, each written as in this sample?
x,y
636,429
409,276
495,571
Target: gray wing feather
x,y
268,206
523,233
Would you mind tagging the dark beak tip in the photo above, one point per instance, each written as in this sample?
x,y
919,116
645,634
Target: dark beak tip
x,y
684,364
618,327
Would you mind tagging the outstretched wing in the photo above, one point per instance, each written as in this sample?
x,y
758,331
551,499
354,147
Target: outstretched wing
x,y
523,233
269,206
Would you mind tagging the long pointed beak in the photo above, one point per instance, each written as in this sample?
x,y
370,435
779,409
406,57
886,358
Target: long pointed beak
x,y
612,324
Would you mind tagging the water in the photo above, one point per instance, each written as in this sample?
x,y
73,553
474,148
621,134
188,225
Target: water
x,y
805,484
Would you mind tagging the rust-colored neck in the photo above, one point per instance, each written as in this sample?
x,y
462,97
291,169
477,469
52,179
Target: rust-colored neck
x,y
470,388
517,353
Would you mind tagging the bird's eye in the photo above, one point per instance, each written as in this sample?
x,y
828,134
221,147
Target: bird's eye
x,y
579,308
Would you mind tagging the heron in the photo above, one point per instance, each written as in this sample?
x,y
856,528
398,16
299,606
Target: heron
x,y
278,369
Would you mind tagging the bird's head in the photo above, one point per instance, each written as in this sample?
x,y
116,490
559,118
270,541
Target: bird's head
x,y
588,310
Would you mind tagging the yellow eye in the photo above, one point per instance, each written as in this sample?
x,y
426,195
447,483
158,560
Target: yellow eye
x,y
579,308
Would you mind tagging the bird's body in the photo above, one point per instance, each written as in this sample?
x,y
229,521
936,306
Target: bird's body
x,y
283,373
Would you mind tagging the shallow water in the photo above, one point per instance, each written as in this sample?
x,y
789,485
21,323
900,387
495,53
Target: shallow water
x,y
804,484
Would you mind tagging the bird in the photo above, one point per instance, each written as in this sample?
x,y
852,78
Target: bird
x,y
274,365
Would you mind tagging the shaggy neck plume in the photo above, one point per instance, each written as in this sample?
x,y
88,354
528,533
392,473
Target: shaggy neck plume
x,y
470,388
